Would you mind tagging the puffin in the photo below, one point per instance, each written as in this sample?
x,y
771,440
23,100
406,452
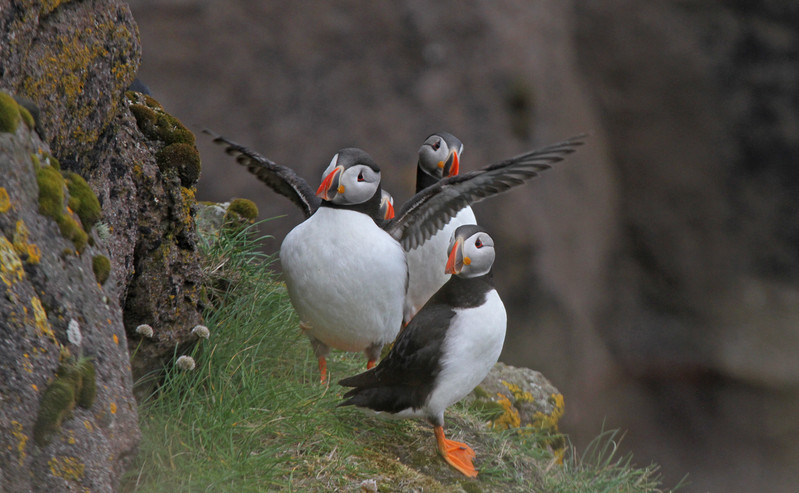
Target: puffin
x,y
346,276
439,157
445,351
345,266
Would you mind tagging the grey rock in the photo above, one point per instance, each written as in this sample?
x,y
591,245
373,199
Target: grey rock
x,y
45,285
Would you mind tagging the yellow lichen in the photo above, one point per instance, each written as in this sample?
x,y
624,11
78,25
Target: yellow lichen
x,y
66,467
113,408
510,417
34,254
550,421
66,66
519,395
5,201
28,251
40,319
10,265
22,440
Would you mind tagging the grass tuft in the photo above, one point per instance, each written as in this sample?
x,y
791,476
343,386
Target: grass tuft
x,y
252,416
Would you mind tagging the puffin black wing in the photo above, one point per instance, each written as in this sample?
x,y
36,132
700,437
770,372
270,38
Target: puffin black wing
x,y
281,179
405,377
429,210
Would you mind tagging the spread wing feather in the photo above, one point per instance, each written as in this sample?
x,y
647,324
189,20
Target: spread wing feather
x,y
429,210
279,178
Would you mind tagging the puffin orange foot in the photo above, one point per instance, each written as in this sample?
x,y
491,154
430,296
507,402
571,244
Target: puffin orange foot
x,y
370,364
457,454
323,369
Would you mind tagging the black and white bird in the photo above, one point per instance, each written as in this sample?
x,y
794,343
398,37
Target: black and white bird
x,y
439,158
445,351
345,266
346,276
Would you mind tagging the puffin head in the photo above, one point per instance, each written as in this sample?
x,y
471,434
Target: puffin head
x,y
351,178
439,156
471,252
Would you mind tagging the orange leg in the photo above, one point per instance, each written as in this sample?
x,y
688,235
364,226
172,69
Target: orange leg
x,y
457,454
323,369
370,364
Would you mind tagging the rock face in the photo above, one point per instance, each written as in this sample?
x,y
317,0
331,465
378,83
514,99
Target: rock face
x,y
48,291
96,216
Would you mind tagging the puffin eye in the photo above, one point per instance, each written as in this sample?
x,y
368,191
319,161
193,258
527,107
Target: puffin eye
x,y
478,243
360,176
437,144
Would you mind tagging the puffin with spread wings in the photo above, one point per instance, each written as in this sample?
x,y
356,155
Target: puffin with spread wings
x,y
345,266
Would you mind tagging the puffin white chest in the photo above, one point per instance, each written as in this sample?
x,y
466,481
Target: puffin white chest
x,y
426,264
471,348
346,278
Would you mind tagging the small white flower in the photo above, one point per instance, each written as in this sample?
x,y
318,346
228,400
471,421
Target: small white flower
x,y
73,333
201,331
145,330
186,363
369,486
103,230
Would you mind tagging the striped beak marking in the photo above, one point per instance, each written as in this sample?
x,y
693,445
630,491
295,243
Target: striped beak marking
x,y
456,260
452,166
389,211
330,185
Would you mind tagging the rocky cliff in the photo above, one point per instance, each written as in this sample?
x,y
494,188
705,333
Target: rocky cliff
x,y
96,215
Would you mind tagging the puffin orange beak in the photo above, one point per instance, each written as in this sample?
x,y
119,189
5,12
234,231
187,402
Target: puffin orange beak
x,y
329,187
452,166
389,211
455,260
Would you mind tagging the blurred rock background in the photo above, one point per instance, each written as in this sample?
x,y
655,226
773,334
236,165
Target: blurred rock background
x,y
652,276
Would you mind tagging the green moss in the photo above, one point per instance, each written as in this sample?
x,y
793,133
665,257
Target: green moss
x,y
27,117
145,119
481,393
181,158
243,208
471,487
87,390
172,131
156,124
83,201
72,230
52,161
57,402
51,203
51,191
9,113
101,267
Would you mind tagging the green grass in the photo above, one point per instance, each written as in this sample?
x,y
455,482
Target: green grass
x,y
252,415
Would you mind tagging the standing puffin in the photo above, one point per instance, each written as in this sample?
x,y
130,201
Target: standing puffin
x,y
345,266
445,351
439,158
345,275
